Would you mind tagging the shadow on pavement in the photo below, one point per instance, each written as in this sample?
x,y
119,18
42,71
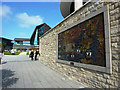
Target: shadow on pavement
x,y
7,78
4,62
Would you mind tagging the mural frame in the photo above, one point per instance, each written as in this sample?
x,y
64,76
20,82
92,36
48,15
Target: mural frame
x,y
108,68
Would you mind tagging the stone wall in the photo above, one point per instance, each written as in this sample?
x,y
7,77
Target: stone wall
x,y
48,48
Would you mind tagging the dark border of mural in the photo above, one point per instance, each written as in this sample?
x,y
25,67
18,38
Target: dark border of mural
x,y
108,67
84,43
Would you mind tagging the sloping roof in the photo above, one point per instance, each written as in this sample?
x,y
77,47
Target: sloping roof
x,y
34,33
21,39
6,39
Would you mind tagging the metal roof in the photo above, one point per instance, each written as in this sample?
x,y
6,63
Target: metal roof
x,y
21,39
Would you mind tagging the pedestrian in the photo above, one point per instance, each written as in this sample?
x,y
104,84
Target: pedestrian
x,y
36,53
31,55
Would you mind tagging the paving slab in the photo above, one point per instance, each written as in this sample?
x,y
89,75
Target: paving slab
x,y
18,71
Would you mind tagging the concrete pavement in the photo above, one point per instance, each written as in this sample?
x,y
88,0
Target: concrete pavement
x,y
20,72
23,53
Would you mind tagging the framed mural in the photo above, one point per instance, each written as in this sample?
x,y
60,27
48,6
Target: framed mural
x,y
85,41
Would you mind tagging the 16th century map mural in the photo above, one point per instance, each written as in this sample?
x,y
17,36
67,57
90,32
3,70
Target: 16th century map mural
x,y
84,43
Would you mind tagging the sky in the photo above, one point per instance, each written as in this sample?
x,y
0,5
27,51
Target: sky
x,y
19,19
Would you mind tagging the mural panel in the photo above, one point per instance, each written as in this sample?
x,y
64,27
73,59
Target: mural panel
x,y
84,43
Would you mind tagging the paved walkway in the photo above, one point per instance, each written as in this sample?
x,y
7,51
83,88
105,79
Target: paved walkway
x,y
20,72
23,53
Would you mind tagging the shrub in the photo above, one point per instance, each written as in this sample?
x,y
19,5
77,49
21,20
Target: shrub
x,y
27,53
9,53
17,53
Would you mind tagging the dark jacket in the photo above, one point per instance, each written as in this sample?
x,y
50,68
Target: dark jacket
x,y
31,54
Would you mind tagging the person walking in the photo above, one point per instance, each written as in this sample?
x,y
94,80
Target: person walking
x,y
29,52
32,54
36,53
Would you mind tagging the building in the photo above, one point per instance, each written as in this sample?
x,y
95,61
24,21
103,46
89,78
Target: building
x,y
38,32
22,41
70,6
33,41
5,44
22,44
86,44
